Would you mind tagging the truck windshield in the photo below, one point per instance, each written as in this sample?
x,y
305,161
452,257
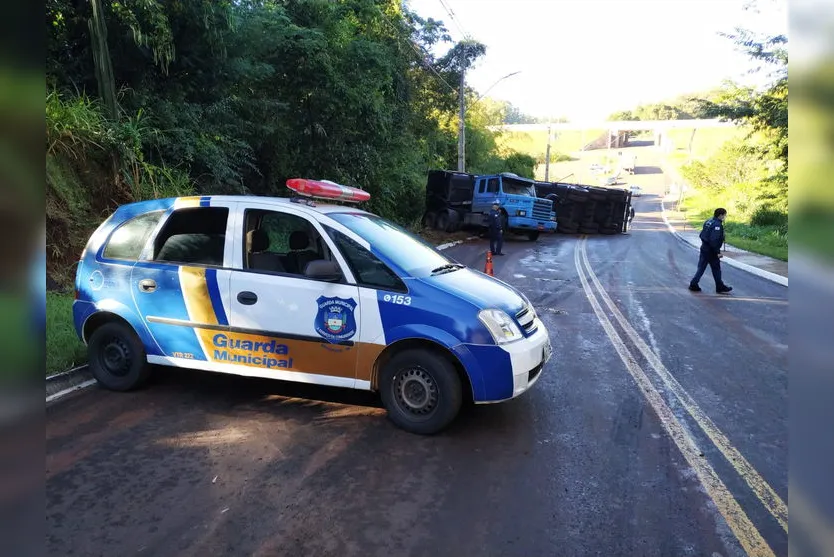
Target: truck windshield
x,y
517,187
409,252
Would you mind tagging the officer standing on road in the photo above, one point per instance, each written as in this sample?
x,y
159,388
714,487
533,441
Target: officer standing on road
x,y
712,238
496,232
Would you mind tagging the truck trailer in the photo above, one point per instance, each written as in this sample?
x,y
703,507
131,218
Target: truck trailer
x,y
458,199
588,209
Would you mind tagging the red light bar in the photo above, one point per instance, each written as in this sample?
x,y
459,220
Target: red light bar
x,y
325,189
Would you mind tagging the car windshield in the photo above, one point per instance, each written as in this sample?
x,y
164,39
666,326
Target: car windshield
x,y
517,187
409,252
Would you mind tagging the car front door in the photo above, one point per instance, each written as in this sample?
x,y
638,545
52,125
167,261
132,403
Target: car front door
x,y
282,323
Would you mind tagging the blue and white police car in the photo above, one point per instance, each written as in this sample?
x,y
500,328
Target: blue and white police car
x,y
292,289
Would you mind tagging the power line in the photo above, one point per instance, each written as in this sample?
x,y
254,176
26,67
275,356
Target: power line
x,y
421,55
455,19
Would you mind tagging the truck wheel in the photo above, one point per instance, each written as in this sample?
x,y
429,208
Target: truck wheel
x,y
117,357
421,391
533,235
453,222
429,219
443,221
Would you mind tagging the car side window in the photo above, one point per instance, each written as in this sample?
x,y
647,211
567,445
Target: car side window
x,y
492,187
130,238
194,236
367,268
278,242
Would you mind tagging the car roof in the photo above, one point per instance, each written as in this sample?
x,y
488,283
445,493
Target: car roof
x,y
317,205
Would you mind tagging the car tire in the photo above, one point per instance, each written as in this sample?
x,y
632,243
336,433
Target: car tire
x,y
533,236
417,376
117,357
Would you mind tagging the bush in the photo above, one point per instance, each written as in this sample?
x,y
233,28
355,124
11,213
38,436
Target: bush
x,y
764,216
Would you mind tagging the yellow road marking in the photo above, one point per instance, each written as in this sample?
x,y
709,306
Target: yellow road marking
x,y
746,533
766,494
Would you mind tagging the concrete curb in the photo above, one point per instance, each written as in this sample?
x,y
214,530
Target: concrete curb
x,y
773,277
64,383
448,245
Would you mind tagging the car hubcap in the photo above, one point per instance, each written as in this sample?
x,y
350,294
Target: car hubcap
x,y
115,357
416,392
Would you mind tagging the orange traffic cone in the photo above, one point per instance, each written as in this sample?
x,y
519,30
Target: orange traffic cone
x,y
488,266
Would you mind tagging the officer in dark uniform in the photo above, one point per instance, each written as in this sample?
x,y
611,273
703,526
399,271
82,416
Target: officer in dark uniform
x,y
496,233
712,238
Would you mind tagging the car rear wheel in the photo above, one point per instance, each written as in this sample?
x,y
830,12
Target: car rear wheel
x,y
117,357
421,391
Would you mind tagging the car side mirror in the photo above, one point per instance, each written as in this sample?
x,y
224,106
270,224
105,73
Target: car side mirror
x,y
321,269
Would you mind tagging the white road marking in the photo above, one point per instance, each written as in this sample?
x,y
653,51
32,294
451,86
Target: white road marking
x,y
738,521
766,494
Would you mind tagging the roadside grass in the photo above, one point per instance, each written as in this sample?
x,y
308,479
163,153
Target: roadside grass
x,y
764,240
63,349
707,141
534,143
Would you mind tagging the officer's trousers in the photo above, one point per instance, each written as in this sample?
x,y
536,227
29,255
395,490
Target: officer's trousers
x,y
496,242
708,258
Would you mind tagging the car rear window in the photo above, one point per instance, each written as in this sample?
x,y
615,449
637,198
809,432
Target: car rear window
x,y
128,240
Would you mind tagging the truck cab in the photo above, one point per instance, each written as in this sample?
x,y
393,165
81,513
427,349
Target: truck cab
x,y
522,212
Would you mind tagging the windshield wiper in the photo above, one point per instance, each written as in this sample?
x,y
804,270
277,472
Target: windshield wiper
x,y
448,268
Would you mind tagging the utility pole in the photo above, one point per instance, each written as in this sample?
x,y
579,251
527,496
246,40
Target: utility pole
x,y
461,124
547,157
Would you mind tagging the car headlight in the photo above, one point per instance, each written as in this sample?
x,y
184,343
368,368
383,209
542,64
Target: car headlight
x,y
500,326
520,213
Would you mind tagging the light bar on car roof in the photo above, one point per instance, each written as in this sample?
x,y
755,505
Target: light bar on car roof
x,y
325,189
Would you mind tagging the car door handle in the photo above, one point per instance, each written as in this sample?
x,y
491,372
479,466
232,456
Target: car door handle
x,y
147,285
247,298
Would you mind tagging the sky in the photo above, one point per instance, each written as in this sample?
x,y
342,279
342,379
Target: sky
x,y
585,59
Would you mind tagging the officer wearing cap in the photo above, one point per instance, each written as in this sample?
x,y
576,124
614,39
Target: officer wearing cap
x,y
712,238
496,232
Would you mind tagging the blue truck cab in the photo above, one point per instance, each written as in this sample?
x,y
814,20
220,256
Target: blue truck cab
x,y
522,212
457,199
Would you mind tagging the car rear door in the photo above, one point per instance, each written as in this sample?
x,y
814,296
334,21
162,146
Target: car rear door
x,y
180,284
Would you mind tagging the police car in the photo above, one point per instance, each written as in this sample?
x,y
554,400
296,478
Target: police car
x,y
292,289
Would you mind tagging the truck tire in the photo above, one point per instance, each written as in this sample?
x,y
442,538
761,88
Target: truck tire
x,y
533,235
442,220
454,221
429,219
421,391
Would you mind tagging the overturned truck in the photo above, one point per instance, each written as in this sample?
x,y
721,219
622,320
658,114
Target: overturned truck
x,y
584,209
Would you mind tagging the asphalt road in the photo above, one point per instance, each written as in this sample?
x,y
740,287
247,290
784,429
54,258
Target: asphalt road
x,y
658,428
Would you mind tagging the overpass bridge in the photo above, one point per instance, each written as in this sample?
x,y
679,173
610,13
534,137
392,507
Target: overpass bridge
x,y
617,125
614,132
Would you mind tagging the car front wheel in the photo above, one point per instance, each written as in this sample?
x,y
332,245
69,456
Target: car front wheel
x,y
421,391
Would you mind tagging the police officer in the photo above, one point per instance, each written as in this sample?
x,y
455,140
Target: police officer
x,y
496,232
712,238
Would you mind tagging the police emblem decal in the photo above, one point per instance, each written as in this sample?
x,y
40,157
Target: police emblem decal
x,y
335,319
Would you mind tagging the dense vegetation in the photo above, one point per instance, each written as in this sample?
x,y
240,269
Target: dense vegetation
x,y
154,98
750,177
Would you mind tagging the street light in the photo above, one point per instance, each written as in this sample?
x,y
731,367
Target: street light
x,y
494,84
461,124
